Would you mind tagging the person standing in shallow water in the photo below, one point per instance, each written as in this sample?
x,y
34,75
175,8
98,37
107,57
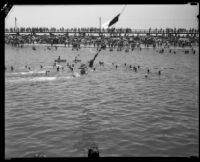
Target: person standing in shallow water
x,y
148,71
159,72
58,68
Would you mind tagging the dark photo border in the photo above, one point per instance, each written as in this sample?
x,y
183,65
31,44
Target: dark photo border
x,y
5,8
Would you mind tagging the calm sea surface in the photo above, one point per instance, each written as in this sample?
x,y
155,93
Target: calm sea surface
x,y
119,110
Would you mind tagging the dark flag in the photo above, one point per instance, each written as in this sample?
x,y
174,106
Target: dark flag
x,y
114,20
111,22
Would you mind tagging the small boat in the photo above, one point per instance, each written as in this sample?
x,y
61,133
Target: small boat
x,y
186,51
76,60
126,50
60,60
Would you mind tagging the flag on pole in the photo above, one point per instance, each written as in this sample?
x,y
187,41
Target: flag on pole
x,y
114,20
111,22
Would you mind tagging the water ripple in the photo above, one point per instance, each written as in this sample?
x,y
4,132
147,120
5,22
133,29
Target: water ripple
x,y
121,111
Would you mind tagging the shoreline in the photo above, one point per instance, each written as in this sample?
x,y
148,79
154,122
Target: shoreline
x,y
91,46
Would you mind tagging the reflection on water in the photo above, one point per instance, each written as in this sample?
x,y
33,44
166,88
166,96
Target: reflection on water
x,y
119,110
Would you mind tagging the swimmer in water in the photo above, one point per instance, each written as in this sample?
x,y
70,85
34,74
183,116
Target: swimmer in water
x,y
41,66
58,68
146,75
46,73
135,69
83,68
101,63
54,64
29,68
148,71
83,71
12,68
159,72
71,68
116,66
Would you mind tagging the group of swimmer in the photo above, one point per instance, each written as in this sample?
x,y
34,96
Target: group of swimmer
x,y
84,67
136,68
186,51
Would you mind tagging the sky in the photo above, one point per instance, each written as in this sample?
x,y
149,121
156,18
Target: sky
x,y
133,16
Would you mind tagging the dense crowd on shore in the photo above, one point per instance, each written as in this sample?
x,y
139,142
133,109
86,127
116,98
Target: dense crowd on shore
x,y
122,38
91,29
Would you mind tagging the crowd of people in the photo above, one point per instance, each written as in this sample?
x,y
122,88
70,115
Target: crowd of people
x,y
111,40
94,29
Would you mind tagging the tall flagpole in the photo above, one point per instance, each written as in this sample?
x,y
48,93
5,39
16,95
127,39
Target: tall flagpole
x,y
100,24
15,23
122,9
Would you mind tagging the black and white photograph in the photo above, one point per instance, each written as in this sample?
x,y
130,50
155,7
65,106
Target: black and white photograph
x,y
101,80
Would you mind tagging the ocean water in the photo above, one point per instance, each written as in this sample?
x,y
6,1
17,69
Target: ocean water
x,y
119,110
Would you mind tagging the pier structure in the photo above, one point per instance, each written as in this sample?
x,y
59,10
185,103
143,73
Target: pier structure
x,y
99,32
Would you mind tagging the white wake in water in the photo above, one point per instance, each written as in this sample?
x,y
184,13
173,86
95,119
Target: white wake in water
x,y
92,51
35,79
40,79
26,73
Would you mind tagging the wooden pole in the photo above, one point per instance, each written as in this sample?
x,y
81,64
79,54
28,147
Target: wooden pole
x,y
15,23
100,24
